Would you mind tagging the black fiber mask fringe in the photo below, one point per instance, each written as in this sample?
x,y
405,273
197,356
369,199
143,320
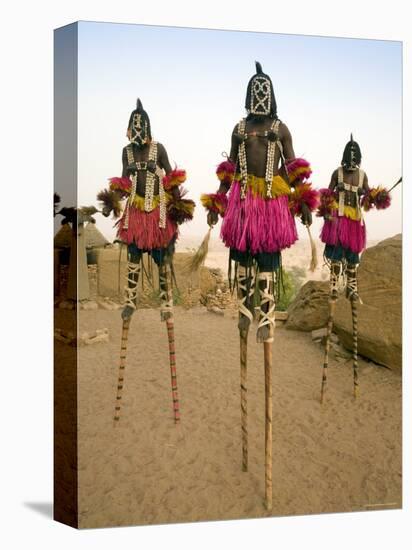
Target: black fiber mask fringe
x,y
352,155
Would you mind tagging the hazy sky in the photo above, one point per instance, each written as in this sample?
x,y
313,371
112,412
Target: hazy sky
x,y
193,83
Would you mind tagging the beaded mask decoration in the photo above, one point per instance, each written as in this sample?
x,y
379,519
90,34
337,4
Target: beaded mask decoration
x,y
139,126
260,98
138,130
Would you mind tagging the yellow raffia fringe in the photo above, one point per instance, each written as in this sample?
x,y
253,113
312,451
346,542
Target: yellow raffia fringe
x,y
138,201
188,208
350,212
211,203
206,200
113,186
228,176
258,186
296,173
175,181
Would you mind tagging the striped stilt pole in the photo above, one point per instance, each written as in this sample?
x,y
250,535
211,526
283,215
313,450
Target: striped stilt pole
x,y
354,304
122,366
267,350
332,303
335,271
352,294
173,374
243,396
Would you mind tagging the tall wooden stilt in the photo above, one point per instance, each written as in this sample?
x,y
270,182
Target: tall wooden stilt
x,y
243,396
332,303
354,304
173,374
122,366
246,281
267,350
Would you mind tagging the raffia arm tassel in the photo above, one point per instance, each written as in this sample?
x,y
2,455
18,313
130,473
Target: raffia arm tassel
x,y
214,202
226,171
327,203
298,169
198,259
123,185
110,201
303,193
175,178
181,210
376,197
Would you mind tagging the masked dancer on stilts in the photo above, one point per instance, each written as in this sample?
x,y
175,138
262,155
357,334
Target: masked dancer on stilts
x,y
344,235
261,189
148,224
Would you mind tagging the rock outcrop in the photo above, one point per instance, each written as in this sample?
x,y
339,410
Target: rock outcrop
x,y
309,310
206,285
380,315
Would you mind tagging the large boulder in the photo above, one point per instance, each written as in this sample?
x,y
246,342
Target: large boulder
x,y
380,315
310,309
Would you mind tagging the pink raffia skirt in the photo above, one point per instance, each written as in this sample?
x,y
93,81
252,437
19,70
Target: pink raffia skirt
x,y
343,231
257,224
143,229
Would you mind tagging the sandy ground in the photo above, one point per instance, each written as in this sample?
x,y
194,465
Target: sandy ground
x,y
344,456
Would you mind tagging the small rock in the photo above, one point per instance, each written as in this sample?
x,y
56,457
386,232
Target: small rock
x,y
339,351
97,339
334,338
281,315
88,305
319,333
216,310
107,304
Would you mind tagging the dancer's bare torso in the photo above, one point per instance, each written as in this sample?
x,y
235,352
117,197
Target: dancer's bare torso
x,y
141,154
352,178
256,145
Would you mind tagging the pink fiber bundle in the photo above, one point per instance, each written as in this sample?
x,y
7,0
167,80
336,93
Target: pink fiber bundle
x,y
144,229
227,166
298,168
257,224
346,232
303,194
327,201
215,202
378,197
382,199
